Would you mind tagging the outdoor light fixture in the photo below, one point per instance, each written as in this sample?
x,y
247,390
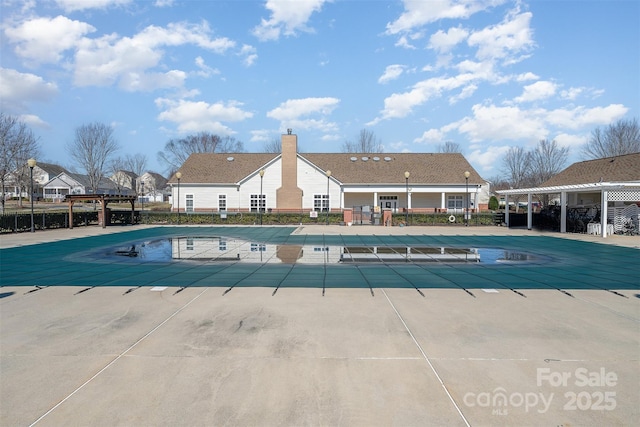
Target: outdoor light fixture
x,y
260,201
142,199
178,176
406,212
328,177
466,190
32,163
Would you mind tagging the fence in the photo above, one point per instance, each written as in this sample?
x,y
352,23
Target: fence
x,y
15,223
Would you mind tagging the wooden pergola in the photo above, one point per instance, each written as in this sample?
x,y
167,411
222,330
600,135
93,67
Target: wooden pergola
x,y
104,199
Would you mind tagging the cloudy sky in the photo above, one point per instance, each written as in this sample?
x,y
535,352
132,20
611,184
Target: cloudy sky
x,y
486,74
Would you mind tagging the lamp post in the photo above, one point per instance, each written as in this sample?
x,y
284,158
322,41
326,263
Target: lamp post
x,y
406,212
32,163
260,201
466,191
328,200
142,200
178,176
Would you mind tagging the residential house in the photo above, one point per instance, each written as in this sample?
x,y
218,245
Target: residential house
x,y
153,186
17,182
125,181
295,182
70,183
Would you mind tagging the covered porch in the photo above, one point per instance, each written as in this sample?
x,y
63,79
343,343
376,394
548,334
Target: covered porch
x,y
616,203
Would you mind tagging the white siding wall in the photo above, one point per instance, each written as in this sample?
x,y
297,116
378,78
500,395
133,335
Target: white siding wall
x,y
312,181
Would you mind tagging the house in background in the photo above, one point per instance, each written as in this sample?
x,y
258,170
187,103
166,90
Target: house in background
x,y
609,186
294,182
153,186
70,183
125,181
42,173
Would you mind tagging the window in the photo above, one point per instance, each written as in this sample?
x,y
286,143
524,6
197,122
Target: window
x,y
321,202
190,244
189,202
222,202
455,202
258,201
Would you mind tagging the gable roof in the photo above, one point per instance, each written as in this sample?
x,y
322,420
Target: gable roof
x,y
609,169
347,168
51,169
209,168
389,168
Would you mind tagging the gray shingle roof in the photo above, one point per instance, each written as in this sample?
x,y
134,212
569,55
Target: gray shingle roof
x,y
610,169
430,168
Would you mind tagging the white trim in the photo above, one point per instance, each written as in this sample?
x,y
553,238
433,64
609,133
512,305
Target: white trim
x,y
570,187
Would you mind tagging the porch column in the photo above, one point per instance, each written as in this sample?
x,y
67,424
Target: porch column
x,y
563,212
529,213
506,210
375,198
443,201
409,200
341,198
603,212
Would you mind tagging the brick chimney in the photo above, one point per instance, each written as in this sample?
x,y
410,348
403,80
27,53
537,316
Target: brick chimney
x,y
289,196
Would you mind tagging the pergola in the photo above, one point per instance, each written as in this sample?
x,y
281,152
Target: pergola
x,y
104,199
628,191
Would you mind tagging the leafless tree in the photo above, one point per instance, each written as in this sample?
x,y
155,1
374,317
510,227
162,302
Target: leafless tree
x,y
92,148
136,163
517,162
177,151
367,142
17,145
617,139
449,147
273,146
547,160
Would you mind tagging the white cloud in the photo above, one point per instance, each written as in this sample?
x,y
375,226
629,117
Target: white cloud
x,y
73,5
491,123
511,123
300,113
526,76
571,141
536,91
392,72
404,43
196,116
205,70
287,18
33,121
444,42
401,104
431,136
512,36
249,54
108,59
489,158
164,3
262,135
17,89
43,40
465,93
418,13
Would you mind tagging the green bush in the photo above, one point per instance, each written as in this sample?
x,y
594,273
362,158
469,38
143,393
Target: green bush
x,y
494,204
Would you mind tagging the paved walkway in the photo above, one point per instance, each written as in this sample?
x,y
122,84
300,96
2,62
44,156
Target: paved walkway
x,y
143,350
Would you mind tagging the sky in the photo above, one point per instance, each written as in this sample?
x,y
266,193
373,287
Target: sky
x,y
485,74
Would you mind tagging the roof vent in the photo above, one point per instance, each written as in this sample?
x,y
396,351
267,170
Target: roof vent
x,y
365,158
230,159
387,159
376,159
353,159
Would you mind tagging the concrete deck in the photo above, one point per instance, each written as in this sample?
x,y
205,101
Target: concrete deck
x,y
122,355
